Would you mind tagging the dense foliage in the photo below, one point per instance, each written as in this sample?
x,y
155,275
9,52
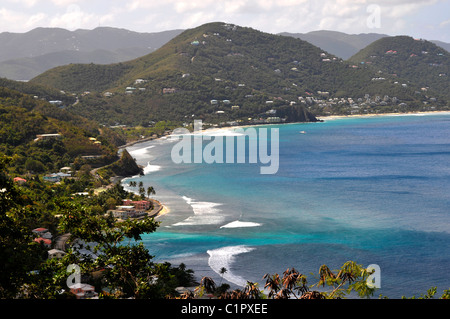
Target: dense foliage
x,y
415,60
126,270
23,118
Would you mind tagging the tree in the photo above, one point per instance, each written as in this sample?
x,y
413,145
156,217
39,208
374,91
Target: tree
x,y
150,191
128,268
350,277
207,285
18,253
222,272
132,183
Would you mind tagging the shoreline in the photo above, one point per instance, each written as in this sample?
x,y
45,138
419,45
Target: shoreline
x,y
163,209
332,117
158,210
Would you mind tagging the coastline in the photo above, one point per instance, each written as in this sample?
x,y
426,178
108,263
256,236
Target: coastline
x,y
162,209
158,210
332,117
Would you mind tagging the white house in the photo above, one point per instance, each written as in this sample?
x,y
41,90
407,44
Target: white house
x,y
55,253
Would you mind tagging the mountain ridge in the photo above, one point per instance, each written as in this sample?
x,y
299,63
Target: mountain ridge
x,y
26,55
205,70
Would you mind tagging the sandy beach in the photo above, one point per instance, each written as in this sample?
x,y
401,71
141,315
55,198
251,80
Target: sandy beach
x,y
332,117
158,209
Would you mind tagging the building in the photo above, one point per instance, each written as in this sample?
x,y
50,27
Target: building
x,y
55,253
39,231
46,242
83,291
169,90
56,177
91,157
138,205
273,119
40,137
19,180
66,170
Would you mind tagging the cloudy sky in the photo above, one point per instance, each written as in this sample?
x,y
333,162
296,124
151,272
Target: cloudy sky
x,y
429,19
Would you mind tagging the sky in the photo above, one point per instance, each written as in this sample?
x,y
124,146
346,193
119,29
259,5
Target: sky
x,y
427,19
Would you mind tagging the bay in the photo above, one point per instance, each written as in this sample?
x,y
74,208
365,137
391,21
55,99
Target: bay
x,y
374,190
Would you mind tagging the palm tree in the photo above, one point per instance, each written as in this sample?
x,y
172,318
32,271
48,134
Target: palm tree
x,y
150,191
325,274
251,290
291,277
132,183
206,284
222,271
272,283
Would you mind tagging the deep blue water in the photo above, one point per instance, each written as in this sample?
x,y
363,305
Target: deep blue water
x,y
373,190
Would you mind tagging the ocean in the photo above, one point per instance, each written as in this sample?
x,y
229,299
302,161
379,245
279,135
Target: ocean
x,y
374,190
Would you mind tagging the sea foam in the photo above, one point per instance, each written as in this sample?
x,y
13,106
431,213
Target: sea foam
x,y
238,224
151,168
224,257
140,151
205,213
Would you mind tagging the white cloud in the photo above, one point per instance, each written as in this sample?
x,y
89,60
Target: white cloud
x,y
444,23
25,3
74,18
35,20
267,15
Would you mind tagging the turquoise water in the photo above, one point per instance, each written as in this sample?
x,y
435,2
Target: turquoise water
x,y
374,190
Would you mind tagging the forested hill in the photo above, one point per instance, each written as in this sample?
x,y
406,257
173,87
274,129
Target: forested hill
x,y
416,60
222,72
25,123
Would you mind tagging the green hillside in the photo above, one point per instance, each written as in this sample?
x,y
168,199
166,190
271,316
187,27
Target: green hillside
x,y
221,72
416,61
25,123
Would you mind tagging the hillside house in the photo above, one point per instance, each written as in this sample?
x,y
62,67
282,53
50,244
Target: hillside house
x,y
169,90
91,157
66,170
55,253
40,137
39,231
138,205
83,291
273,119
19,180
55,177
46,242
